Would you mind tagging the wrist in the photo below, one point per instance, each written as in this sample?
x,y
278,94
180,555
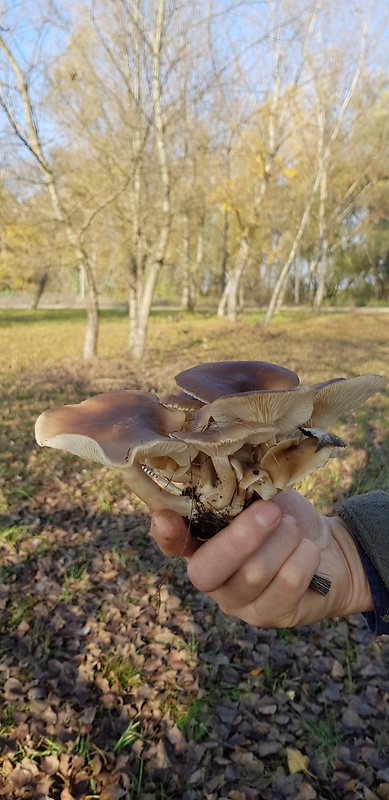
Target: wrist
x,y
354,594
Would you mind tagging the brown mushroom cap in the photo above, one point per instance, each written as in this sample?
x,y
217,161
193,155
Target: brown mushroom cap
x,y
182,402
113,428
216,379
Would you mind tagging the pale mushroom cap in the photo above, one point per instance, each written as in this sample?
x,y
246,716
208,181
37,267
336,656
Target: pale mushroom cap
x,y
219,442
113,428
291,460
334,398
216,379
284,409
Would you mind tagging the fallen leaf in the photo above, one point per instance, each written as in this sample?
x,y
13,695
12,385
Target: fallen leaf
x,y
297,762
50,764
306,792
369,795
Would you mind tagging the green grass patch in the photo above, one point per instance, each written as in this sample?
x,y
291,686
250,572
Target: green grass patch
x,y
324,731
16,533
129,736
121,671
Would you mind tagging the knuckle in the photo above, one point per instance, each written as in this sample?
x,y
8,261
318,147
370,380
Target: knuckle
x,y
252,574
200,581
292,580
229,608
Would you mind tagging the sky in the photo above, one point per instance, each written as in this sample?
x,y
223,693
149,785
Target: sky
x,y
242,34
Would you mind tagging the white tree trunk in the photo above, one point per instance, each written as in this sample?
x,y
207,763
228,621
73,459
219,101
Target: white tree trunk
x,y
92,327
296,287
186,288
323,242
229,298
150,269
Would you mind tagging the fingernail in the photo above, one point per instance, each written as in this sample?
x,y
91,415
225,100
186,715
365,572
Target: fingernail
x,y
289,518
266,513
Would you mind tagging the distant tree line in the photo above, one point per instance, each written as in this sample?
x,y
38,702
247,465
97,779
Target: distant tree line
x,y
195,150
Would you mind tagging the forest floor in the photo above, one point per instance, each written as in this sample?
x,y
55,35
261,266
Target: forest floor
x,y
118,679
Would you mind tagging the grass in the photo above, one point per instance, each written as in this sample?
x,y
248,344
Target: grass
x,y
129,735
120,670
190,645
21,610
75,580
308,343
8,716
324,731
14,534
192,718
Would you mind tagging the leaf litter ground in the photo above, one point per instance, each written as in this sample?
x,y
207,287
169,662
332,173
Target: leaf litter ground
x,y
119,680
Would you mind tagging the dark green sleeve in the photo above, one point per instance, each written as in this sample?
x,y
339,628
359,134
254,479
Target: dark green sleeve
x,y
367,517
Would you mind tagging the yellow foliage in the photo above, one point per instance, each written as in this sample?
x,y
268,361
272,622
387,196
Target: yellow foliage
x,y
290,172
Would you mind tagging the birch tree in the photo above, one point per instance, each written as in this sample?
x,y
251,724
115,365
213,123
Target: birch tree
x,y
282,35
320,182
150,43
148,268
18,107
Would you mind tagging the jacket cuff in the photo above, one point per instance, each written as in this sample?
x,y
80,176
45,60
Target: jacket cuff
x,y
378,619
367,518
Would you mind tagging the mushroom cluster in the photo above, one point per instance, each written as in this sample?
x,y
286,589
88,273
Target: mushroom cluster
x,y
235,431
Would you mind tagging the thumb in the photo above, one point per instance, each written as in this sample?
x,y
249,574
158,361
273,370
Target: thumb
x,y
171,534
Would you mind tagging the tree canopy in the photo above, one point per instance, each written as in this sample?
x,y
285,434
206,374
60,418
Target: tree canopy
x,y
156,149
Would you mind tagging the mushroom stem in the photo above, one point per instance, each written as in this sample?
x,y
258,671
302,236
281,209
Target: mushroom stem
x,y
254,475
220,496
154,494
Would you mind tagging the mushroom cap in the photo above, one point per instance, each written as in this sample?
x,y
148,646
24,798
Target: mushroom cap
x,y
215,379
113,428
333,398
284,409
220,441
291,460
182,402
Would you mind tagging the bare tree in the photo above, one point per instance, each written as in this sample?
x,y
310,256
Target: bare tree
x,y
279,96
149,48
142,284
324,153
27,132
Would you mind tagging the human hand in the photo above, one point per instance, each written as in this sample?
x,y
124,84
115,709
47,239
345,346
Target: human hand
x,y
260,566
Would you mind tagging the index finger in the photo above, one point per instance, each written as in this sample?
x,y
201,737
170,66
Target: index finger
x,y
224,554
